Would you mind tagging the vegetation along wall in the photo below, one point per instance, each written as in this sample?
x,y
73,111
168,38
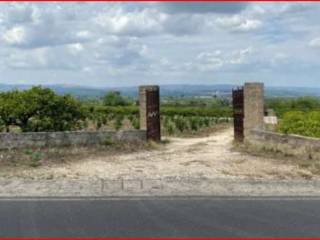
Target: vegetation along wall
x,y
289,145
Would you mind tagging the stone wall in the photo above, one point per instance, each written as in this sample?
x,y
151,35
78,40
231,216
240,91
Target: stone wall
x,y
289,145
59,139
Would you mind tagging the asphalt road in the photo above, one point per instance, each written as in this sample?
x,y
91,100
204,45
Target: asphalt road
x,y
175,217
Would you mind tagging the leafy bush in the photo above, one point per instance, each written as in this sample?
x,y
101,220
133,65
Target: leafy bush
x,y
40,109
135,123
35,158
115,99
108,141
181,123
194,123
206,122
283,105
171,128
118,122
301,123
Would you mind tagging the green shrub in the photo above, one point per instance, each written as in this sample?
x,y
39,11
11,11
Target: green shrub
x,y
181,124
194,123
115,99
135,122
284,105
35,158
108,141
301,123
206,122
170,128
40,109
118,122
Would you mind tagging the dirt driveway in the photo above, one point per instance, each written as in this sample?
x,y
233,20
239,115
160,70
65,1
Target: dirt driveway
x,y
183,167
205,157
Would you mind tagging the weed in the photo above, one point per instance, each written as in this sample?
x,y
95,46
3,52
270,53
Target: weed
x,y
165,141
35,157
118,122
153,145
108,141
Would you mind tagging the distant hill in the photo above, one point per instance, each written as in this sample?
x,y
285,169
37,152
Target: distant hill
x,y
78,91
171,90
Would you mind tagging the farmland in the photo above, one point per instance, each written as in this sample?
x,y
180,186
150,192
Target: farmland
x,y
299,116
197,142
41,109
178,115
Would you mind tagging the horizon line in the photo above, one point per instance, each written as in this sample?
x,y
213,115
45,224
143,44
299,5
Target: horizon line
x,y
132,86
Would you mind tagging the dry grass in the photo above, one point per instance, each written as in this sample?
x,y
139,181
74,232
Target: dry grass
x,y
306,165
35,157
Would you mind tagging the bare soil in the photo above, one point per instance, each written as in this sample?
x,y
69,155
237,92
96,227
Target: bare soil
x,y
209,157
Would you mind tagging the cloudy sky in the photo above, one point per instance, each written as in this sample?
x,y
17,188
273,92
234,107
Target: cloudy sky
x,y
126,44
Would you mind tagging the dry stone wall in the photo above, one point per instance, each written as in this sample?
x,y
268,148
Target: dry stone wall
x,y
59,139
289,145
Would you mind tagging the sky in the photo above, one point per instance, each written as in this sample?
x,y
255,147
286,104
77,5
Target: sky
x,y
129,44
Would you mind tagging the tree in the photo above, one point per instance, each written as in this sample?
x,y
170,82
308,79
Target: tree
x,y
9,102
115,99
283,105
40,109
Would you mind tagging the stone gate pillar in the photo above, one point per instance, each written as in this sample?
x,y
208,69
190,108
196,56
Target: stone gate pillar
x,y
253,107
149,101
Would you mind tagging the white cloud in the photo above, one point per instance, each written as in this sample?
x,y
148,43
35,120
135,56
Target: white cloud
x,y
136,23
84,35
43,35
173,42
28,59
15,36
249,24
215,61
45,58
209,61
240,56
30,26
75,48
120,53
238,23
148,22
315,43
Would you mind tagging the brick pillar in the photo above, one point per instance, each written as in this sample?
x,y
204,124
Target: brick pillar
x,y
149,101
253,107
